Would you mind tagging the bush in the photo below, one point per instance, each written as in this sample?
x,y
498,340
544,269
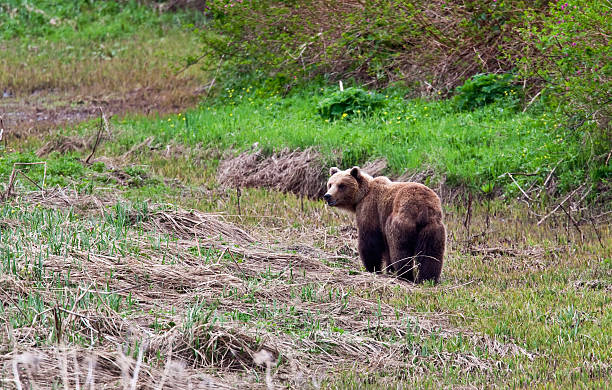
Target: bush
x,y
483,89
350,102
567,50
429,46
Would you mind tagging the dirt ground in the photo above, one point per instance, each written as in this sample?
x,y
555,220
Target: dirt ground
x,y
46,110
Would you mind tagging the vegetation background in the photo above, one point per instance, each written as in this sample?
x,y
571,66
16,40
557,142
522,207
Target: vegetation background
x,y
161,163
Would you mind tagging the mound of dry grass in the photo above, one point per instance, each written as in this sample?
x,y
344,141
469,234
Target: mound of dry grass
x,y
63,197
376,167
299,172
190,224
62,145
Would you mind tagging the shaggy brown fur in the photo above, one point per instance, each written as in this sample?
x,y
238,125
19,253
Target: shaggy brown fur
x,y
400,224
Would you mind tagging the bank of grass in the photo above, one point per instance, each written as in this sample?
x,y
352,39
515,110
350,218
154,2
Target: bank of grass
x,y
83,48
470,149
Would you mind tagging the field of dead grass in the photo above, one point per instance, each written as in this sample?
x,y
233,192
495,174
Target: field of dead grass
x,y
101,291
157,266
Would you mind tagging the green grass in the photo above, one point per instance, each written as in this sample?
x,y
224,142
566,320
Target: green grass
x,y
467,148
82,20
81,53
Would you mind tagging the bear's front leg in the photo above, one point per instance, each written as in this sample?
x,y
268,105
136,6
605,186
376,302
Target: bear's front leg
x,y
372,247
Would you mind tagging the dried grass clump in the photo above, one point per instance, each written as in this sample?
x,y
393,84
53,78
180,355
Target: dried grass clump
x,y
71,368
62,197
417,176
299,172
375,167
62,145
194,224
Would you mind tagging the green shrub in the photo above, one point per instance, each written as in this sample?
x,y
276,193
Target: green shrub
x,y
383,42
482,89
567,50
349,102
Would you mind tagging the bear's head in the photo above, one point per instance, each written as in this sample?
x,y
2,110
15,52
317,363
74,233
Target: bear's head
x,y
345,189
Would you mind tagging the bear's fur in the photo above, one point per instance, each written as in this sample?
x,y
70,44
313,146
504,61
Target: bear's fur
x,y
400,225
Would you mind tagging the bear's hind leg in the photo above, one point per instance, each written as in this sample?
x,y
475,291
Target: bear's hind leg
x,y
429,252
401,260
371,249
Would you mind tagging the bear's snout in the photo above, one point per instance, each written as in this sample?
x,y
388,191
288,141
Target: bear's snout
x,y
329,200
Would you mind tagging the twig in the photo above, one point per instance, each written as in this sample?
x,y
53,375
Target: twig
x,y
521,173
548,178
137,368
14,303
61,356
212,83
574,223
77,371
16,375
237,265
461,285
532,100
98,136
215,76
57,322
11,182
517,184
559,205
76,302
484,64
166,368
15,171
146,142
2,132
597,233
468,216
90,372
30,180
190,64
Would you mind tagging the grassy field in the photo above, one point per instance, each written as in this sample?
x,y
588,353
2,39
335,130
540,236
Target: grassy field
x,y
61,61
467,148
143,268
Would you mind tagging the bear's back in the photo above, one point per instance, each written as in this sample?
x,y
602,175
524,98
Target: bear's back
x,y
413,200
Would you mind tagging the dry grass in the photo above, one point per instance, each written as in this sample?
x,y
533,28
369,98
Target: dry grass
x,y
63,145
299,172
189,294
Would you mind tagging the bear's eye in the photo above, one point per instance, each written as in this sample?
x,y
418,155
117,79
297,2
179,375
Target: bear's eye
x,y
341,186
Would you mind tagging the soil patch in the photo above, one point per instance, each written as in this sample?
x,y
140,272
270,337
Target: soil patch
x,y
44,111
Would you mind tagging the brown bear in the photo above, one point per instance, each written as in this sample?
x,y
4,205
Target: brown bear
x,y
400,225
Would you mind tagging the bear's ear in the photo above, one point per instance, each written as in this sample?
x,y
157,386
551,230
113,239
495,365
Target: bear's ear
x,y
333,171
356,173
